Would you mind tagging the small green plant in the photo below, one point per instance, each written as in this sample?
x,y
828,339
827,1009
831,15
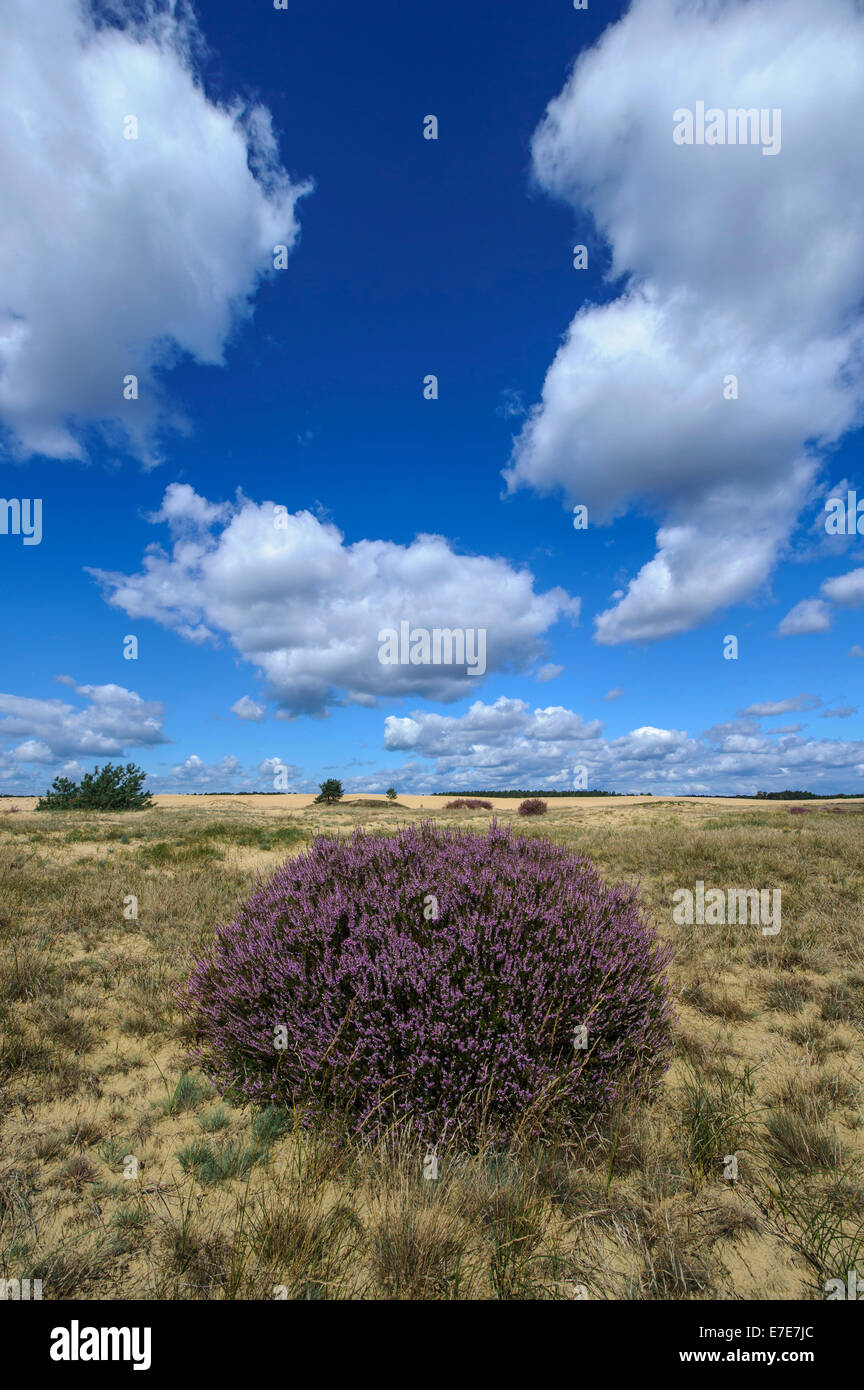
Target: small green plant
x,y
113,1151
416,1253
269,1125
217,1118
514,1218
157,854
717,1112
211,1164
233,1158
822,1225
797,1141
108,788
331,791
76,1172
188,1093
131,1221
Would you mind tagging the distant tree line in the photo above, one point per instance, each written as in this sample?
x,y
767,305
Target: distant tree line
x,y
543,792
706,796
805,796
120,788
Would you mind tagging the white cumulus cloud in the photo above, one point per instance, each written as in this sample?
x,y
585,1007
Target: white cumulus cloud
x,y
846,589
810,615
118,255
305,608
249,709
814,614
728,263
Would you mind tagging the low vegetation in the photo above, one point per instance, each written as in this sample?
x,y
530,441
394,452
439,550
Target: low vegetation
x,y
125,1174
396,995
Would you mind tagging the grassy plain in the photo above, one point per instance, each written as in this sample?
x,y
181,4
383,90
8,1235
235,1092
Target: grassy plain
x,y
221,1203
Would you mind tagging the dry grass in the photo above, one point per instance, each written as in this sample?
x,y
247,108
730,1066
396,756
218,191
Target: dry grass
x,y
123,1175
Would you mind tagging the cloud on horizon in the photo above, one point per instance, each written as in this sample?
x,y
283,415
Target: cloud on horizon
x,y
507,744
228,774
51,734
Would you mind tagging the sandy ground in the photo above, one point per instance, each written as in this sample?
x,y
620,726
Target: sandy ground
x,y
298,801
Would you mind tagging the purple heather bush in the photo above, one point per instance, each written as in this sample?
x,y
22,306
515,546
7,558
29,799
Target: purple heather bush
x,y
468,803
533,807
436,978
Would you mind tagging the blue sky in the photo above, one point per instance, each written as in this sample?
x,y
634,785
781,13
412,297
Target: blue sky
x,y
302,387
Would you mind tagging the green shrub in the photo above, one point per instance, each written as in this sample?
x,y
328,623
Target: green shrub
x,y
331,791
108,788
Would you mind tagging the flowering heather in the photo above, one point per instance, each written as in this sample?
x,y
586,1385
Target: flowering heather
x,y
533,807
468,803
440,978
